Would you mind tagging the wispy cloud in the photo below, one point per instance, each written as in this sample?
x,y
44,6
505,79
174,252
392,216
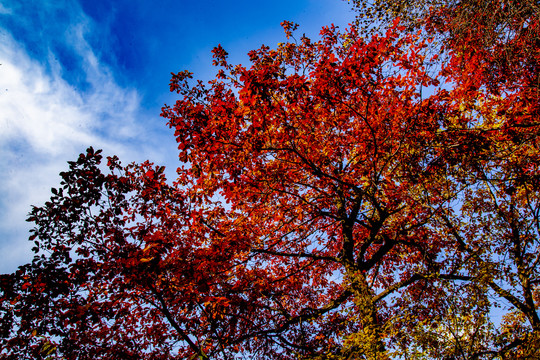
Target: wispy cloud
x,y
46,120
4,9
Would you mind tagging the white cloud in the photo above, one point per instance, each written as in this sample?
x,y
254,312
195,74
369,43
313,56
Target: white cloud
x,y
42,111
45,121
4,10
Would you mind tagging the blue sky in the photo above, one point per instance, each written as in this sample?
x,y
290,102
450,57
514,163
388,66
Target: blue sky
x,y
85,73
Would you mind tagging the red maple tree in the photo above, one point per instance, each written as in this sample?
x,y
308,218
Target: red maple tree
x,y
326,207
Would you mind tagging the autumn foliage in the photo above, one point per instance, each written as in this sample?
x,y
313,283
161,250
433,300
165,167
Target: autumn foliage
x,y
354,197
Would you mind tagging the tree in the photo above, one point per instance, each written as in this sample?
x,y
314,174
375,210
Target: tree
x,y
325,208
506,32
490,56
